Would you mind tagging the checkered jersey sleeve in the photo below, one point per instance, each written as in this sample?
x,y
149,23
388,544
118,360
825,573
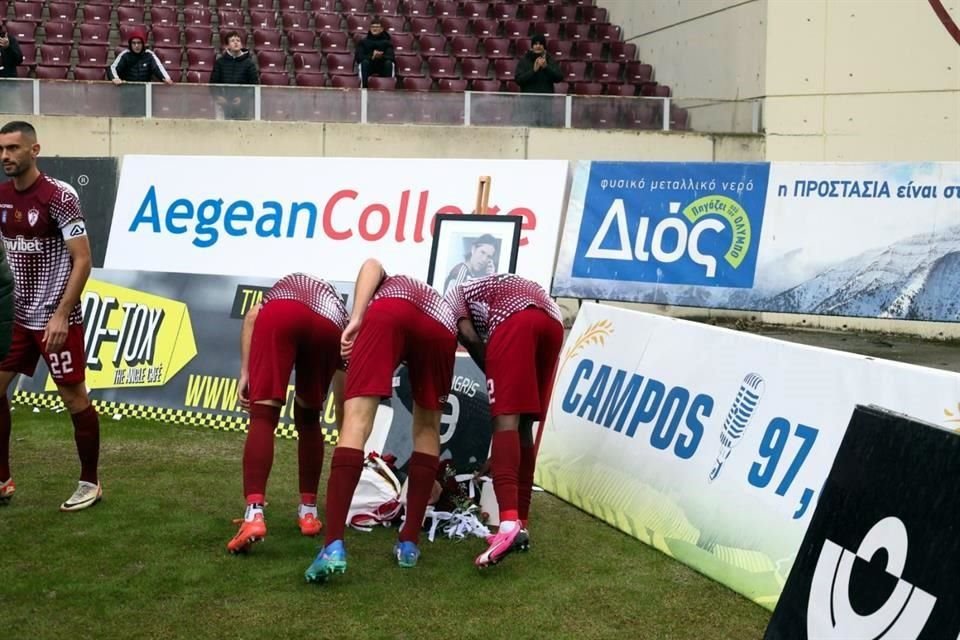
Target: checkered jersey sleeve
x,y
457,302
65,205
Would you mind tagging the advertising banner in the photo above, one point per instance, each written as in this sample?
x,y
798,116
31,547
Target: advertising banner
x,y
710,444
166,346
878,557
271,216
878,240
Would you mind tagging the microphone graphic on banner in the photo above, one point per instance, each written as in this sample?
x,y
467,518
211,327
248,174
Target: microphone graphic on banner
x,y
738,417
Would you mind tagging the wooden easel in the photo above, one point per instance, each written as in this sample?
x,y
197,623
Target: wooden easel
x,y
483,195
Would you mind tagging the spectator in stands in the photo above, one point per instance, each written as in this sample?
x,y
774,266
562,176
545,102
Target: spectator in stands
x,y
136,63
536,72
235,66
10,54
375,53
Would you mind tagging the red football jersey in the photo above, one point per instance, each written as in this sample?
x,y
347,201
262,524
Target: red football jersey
x,y
491,300
317,294
31,224
420,294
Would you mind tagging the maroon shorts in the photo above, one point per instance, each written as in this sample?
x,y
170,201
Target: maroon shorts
x,y
67,366
287,334
521,361
395,331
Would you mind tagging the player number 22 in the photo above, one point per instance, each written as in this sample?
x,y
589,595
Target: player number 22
x,y
61,363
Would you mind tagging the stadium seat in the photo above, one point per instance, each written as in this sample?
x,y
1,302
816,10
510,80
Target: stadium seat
x,y
228,4
198,76
53,55
514,29
496,48
452,85
416,8
408,66
416,84
420,25
90,33
627,90
24,32
261,19
292,20
200,59
403,43
606,71
432,45
27,11
679,118
607,33
333,41
453,26
393,24
638,73
170,57
512,87
623,51
96,13
62,11
326,22
198,36
485,28
576,31
340,64
654,90
574,71
504,11
274,78
551,30
196,16
166,35
477,10
588,89
503,69
231,19
442,67
345,82
446,8
307,62
564,14
92,55
292,5
271,61
521,46
465,47
483,84
163,16
51,73
358,24
353,6
475,68
587,50
58,32
174,73
130,15
304,79
267,40
560,50
593,14
301,40
385,8
378,83
559,88
89,73
532,12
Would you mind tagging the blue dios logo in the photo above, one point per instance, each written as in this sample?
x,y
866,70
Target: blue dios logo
x,y
672,226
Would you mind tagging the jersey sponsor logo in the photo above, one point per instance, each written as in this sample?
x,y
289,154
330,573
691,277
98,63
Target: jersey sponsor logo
x,y
32,216
23,245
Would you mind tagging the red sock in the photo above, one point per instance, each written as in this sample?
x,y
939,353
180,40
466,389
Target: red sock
x,y
258,451
505,466
86,433
4,439
345,468
528,462
421,474
309,451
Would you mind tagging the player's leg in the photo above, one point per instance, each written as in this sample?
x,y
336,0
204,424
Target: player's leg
x,y
528,459
21,358
67,369
272,353
376,353
317,360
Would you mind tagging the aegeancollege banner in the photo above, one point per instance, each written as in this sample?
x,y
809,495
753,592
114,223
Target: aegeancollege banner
x,y
710,444
272,216
875,240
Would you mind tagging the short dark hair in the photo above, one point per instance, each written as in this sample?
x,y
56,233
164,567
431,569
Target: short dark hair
x,y
376,20
486,239
19,126
230,34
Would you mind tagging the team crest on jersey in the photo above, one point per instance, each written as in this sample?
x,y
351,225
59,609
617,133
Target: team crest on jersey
x,y
32,216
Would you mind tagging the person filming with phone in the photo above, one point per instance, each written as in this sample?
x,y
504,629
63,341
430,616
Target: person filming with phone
x,y
536,73
10,55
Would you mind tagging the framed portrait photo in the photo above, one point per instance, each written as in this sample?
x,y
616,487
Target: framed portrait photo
x,y
466,247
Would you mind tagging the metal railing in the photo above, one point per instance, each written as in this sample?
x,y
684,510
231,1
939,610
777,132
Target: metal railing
x,y
362,106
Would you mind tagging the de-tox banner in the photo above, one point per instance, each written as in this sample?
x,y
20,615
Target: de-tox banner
x,y
877,240
166,346
270,216
710,444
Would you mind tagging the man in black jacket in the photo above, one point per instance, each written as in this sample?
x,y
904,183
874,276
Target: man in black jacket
x,y
10,54
235,66
137,63
375,53
536,72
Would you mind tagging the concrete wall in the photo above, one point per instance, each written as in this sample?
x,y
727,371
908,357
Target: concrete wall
x,y
75,136
701,48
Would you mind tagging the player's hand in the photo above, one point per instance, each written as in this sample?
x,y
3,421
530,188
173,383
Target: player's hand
x,y
55,333
243,390
348,338
117,81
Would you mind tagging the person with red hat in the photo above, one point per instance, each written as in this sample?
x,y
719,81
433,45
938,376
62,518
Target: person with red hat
x,y
136,63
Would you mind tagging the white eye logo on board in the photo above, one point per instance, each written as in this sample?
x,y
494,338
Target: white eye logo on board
x,y
829,613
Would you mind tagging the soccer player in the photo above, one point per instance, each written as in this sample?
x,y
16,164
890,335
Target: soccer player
x,y
45,236
394,319
514,331
298,324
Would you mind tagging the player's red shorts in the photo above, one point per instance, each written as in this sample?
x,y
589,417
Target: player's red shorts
x,y
521,360
67,366
289,333
394,331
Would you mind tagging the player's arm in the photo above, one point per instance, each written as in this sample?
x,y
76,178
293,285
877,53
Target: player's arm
x,y
55,335
472,341
339,378
246,334
368,281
